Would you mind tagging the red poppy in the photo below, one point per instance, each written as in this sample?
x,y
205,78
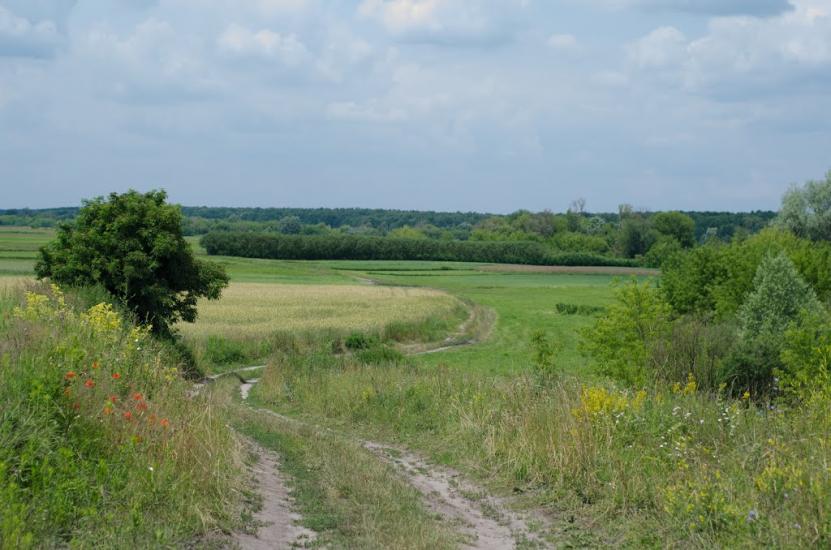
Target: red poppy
x,y
89,383
128,416
142,406
164,422
137,396
116,376
113,399
70,375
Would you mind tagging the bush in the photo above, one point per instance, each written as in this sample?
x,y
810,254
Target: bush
x,y
578,309
544,358
621,341
359,340
779,300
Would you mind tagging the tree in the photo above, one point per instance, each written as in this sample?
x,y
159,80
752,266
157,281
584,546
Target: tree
x,y
290,225
676,225
807,210
780,295
131,244
779,301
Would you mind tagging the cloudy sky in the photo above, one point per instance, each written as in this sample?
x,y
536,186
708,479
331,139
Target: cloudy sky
x,y
488,105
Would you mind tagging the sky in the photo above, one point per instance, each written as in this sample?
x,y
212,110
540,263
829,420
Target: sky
x,y
472,105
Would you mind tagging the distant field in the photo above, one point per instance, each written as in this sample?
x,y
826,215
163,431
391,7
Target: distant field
x,y
257,310
18,248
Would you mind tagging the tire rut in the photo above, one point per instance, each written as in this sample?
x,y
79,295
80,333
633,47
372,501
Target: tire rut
x,y
484,520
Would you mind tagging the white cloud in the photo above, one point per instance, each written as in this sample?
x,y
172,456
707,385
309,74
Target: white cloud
x,y
660,48
24,38
241,41
562,42
703,7
744,55
449,22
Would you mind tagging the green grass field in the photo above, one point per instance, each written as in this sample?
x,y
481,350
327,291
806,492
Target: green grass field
x,y
524,302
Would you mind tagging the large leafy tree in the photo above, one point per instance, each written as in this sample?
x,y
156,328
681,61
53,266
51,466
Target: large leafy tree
x,y
676,225
132,245
806,210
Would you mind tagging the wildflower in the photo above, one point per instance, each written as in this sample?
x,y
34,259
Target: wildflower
x,y
70,375
108,410
164,422
752,516
142,406
150,468
746,395
89,383
128,416
137,396
113,399
116,376
95,365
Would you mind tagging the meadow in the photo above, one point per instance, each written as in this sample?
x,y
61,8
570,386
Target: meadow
x,y
523,409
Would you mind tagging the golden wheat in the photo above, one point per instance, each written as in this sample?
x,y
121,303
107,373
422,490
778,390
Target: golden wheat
x,y
256,309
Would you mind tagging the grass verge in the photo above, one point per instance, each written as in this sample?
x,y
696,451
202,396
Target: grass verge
x,y
101,443
667,466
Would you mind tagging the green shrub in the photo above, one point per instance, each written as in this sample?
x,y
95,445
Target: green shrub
x,y
806,357
544,356
779,300
359,340
222,351
578,309
620,342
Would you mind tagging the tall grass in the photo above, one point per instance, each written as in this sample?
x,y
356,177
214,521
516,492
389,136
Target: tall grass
x,y
100,442
682,466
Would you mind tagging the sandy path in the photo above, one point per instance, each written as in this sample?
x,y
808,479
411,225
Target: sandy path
x,y
278,524
484,519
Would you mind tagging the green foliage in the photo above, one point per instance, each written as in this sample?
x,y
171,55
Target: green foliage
x,y
359,340
695,346
102,443
301,247
806,357
675,225
663,251
620,342
717,277
806,210
544,357
578,309
132,245
778,298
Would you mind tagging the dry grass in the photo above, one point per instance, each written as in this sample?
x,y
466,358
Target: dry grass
x,y
258,310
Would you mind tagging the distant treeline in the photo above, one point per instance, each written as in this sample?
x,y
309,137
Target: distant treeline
x,y
200,220
346,247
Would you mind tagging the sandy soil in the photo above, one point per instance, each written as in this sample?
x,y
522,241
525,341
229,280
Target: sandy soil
x,y
278,524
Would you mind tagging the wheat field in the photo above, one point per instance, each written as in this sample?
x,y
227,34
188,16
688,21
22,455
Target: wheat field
x,y
255,310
